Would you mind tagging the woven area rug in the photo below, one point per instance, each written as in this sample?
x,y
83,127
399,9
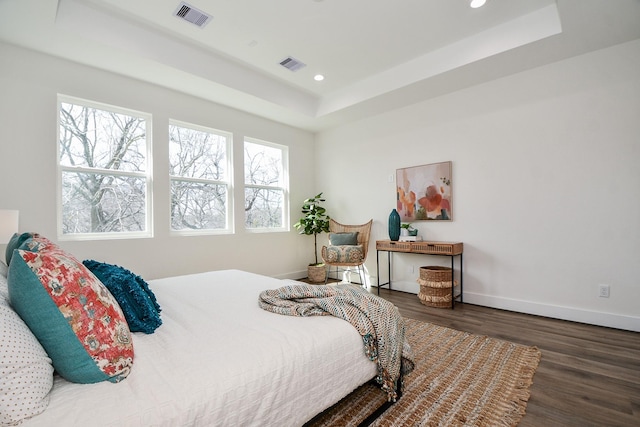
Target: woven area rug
x,y
460,379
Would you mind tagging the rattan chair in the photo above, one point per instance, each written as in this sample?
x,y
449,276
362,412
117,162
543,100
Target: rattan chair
x,y
364,231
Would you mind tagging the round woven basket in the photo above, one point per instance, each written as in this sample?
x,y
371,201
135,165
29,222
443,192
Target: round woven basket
x,y
435,286
316,273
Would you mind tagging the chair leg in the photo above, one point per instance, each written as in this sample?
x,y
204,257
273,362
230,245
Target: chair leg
x,y
326,280
329,274
346,275
362,276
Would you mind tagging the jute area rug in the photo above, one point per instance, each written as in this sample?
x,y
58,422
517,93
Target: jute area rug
x,y
460,379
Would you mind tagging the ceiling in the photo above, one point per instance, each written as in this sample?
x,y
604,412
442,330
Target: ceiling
x,y
376,55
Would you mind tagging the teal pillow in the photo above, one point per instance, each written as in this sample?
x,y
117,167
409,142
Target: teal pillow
x,y
341,239
136,300
73,315
14,243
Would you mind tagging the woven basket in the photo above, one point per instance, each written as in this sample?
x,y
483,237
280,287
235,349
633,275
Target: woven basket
x,y
316,273
435,286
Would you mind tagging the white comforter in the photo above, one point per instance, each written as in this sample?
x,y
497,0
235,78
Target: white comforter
x,y
220,360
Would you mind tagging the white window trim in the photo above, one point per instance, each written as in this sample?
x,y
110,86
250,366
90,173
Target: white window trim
x,y
229,182
149,174
285,187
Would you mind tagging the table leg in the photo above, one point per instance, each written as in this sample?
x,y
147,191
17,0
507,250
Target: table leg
x,y
453,288
378,269
389,266
461,293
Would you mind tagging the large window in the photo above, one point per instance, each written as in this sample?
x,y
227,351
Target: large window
x,y
104,172
266,186
200,178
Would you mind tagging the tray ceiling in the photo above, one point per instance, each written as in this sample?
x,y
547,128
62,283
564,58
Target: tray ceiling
x,y
375,55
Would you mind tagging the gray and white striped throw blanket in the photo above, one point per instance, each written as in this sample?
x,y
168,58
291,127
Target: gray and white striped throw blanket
x,y
376,319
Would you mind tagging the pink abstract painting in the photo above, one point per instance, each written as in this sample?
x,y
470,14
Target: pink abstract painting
x,y
424,192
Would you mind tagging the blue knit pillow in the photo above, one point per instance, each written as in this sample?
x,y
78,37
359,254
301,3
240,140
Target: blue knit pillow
x,y
136,300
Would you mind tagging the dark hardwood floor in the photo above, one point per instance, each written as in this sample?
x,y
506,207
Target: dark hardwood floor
x,y
588,375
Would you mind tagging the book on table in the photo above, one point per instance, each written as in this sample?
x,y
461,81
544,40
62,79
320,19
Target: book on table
x,y
411,238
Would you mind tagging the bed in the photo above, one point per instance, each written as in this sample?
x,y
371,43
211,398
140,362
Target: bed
x,y
218,359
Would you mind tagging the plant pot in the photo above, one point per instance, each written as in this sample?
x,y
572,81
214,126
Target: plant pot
x,y
316,273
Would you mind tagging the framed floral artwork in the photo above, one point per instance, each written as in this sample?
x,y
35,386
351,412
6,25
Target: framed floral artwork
x,y
424,192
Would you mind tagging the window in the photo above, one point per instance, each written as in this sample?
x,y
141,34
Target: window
x,y
104,172
200,178
266,186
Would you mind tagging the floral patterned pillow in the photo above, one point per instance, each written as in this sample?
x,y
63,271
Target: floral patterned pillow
x,y
39,243
344,254
29,241
73,315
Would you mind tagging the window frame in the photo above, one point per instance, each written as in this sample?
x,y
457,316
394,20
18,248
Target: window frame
x,y
285,227
147,175
229,229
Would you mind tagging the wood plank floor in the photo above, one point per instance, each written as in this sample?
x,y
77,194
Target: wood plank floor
x,y
588,375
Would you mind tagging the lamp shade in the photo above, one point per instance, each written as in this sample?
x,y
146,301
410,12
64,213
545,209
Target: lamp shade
x,y
8,225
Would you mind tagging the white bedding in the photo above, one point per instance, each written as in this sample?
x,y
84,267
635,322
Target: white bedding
x,y
220,360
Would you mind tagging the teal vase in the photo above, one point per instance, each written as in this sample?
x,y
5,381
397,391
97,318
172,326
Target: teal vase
x,y
394,226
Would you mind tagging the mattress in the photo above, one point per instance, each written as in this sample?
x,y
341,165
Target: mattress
x,y
220,360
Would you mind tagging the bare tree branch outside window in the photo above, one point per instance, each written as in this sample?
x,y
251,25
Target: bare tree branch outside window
x,y
265,187
104,170
199,178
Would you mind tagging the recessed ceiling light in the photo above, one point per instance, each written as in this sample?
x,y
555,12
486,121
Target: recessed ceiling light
x,y
318,77
477,3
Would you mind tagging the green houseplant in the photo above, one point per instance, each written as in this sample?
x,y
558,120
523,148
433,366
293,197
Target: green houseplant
x,y
314,221
410,230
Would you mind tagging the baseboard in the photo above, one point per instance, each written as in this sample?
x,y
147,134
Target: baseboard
x,y
611,320
294,275
598,318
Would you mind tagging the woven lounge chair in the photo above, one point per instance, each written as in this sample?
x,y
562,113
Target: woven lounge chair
x,y
347,256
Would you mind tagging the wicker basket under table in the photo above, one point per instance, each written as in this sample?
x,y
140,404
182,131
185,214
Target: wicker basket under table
x,y
435,286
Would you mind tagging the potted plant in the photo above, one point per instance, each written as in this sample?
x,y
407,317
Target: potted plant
x,y
407,230
314,221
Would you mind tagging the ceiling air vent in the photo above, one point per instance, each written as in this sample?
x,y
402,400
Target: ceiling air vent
x,y
292,64
193,15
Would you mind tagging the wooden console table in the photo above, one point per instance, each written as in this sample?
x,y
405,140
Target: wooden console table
x,y
450,249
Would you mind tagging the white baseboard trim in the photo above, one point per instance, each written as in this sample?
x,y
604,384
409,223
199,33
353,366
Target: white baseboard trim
x,y
611,320
294,275
598,318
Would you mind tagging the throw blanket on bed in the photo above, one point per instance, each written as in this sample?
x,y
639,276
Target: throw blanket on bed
x,y
376,319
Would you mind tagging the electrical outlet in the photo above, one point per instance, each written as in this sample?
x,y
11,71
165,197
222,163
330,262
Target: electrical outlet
x,y
391,178
603,291
411,269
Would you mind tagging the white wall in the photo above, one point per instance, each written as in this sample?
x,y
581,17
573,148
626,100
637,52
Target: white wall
x,y
546,185
29,84
545,179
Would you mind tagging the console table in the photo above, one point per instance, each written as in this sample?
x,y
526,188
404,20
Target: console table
x,y
450,249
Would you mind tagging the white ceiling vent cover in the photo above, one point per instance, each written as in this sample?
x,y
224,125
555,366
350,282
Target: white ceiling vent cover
x,y
191,14
292,64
